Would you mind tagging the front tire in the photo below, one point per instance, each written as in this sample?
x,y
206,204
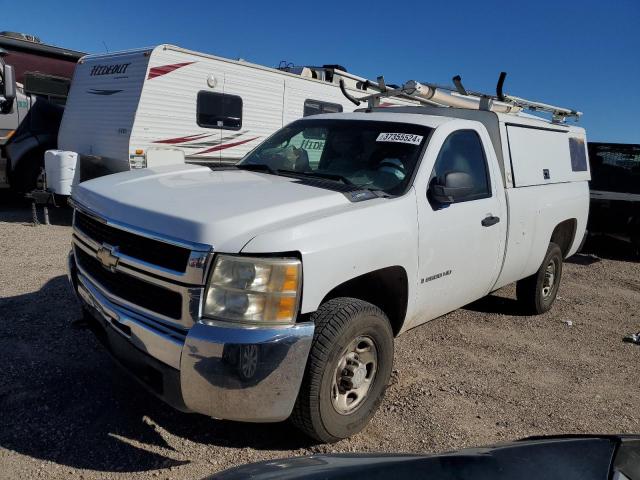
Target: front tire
x,y
537,293
347,372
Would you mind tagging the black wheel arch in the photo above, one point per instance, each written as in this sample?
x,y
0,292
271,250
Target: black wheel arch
x,y
386,288
564,235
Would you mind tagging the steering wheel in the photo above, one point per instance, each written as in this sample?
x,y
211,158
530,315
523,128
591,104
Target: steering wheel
x,y
392,166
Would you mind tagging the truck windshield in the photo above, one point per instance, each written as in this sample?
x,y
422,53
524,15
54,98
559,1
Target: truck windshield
x,y
365,154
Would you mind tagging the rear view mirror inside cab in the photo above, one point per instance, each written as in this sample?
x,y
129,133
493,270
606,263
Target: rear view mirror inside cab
x,y
315,133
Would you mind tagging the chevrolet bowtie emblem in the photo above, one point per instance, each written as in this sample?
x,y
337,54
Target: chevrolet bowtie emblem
x,y
106,254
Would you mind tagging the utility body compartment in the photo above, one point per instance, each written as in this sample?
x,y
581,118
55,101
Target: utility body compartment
x,y
546,155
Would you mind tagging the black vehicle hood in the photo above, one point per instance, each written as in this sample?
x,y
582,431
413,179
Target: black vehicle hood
x,y
551,458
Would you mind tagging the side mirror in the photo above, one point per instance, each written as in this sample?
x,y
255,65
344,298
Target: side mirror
x,y
8,88
453,187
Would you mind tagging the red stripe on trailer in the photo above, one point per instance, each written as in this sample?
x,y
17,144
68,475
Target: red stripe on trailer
x,y
164,69
227,145
188,138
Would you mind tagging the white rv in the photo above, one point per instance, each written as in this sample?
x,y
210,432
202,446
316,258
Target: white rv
x,y
152,106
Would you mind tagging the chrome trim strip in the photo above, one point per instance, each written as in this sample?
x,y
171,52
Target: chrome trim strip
x,y
141,231
123,268
71,271
189,284
190,296
162,344
194,274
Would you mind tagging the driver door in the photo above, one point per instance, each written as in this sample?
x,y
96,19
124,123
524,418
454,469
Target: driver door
x,y
460,252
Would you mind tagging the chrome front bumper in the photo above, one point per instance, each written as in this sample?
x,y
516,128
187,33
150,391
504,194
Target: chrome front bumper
x,y
229,372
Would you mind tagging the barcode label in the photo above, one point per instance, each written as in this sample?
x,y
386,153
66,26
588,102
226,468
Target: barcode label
x,y
400,138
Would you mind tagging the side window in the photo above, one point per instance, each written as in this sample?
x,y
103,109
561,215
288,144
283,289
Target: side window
x,y
218,110
462,152
578,154
314,107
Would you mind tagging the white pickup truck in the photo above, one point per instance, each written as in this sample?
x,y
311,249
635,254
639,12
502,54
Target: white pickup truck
x,y
275,288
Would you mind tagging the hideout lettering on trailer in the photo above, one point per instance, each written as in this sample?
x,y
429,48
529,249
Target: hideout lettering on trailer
x,y
109,69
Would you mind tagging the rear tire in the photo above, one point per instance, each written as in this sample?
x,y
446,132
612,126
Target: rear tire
x,y
347,372
537,293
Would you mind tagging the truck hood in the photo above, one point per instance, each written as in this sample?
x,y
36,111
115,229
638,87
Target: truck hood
x,y
222,208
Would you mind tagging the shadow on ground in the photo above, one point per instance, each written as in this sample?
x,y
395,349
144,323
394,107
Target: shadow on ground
x,y
610,248
496,304
16,209
63,400
584,259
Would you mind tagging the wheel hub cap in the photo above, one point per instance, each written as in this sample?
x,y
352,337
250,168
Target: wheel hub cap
x,y
354,375
549,279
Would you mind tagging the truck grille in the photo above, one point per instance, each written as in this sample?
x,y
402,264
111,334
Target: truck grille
x,y
149,250
144,294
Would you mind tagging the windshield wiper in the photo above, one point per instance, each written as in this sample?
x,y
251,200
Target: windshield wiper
x,y
262,167
256,167
329,176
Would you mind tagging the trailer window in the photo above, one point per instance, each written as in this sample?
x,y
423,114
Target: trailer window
x,y
219,110
315,107
462,151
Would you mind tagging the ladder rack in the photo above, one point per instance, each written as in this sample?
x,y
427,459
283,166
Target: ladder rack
x,y
459,97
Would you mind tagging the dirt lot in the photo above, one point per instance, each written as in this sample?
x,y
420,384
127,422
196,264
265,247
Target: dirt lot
x,y
479,375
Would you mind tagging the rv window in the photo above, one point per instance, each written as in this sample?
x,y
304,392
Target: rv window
x,y
314,107
218,110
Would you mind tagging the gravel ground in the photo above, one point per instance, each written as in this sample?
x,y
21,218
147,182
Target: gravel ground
x,y
479,375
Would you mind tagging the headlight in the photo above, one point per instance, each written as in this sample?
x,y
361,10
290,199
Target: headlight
x,y
253,290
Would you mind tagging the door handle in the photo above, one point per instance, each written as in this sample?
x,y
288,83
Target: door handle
x,y
489,220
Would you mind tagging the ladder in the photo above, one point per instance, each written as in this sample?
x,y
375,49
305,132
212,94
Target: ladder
x,y
459,97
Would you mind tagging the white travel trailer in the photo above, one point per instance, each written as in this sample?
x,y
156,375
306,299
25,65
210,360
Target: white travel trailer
x,y
152,106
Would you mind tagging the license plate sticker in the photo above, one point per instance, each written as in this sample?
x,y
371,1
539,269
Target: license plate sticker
x,y
409,138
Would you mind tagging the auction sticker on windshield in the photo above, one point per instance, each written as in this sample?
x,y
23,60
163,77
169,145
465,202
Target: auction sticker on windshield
x,y
400,138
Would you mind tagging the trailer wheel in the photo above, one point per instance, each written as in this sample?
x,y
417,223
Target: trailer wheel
x,y
25,176
537,293
347,372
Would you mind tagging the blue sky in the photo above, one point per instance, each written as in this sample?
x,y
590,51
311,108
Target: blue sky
x,y
579,54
